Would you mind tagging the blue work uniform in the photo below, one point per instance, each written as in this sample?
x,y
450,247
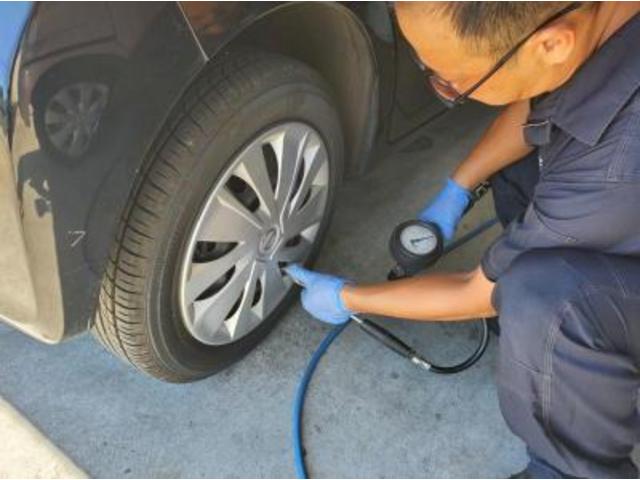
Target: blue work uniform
x,y
567,270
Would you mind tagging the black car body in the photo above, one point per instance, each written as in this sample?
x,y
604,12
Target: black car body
x,y
96,87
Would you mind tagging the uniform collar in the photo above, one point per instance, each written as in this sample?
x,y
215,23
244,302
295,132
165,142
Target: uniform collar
x,y
587,104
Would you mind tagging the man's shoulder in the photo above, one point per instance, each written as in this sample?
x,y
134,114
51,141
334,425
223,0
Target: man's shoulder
x,y
614,157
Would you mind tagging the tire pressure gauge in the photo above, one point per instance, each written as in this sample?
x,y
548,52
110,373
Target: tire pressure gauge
x,y
415,245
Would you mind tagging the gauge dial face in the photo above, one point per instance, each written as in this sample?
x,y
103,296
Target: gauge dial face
x,y
418,240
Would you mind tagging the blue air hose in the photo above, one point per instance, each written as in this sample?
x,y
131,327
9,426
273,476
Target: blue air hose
x,y
298,404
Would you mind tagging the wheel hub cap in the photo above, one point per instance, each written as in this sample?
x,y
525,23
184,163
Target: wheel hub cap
x,y
268,241
264,211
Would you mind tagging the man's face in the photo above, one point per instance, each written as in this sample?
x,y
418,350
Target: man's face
x,y
533,71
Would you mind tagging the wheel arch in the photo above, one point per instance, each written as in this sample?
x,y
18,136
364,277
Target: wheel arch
x,y
331,39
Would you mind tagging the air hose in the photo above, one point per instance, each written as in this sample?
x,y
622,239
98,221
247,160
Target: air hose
x,y
301,392
389,340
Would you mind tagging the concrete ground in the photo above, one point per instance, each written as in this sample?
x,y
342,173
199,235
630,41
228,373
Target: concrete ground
x,y
369,413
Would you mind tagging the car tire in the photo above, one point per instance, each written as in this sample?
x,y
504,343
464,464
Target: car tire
x,y
142,315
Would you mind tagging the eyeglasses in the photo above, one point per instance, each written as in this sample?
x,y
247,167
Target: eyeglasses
x,y
446,91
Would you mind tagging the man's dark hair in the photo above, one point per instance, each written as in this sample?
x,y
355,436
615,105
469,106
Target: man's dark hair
x,y
495,27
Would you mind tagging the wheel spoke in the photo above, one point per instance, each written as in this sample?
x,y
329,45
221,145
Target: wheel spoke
x,y
203,275
288,146
86,91
228,220
53,118
211,312
96,108
78,141
273,288
316,158
253,170
310,214
245,318
100,99
63,97
59,138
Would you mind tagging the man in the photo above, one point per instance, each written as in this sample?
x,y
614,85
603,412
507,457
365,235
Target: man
x,y
563,158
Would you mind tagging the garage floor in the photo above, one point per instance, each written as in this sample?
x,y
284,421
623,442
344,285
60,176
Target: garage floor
x,y
369,414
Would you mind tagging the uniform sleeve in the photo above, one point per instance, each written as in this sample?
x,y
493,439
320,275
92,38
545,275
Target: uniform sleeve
x,y
600,215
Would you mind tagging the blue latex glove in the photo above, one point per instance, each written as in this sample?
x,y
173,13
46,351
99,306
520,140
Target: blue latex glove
x,y
321,294
446,209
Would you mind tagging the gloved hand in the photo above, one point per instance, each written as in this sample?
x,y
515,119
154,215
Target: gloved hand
x,y
321,294
446,209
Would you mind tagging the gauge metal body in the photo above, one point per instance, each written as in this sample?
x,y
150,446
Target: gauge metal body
x,y
415,245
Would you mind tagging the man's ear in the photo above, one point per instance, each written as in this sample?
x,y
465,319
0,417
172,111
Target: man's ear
x,y
555,44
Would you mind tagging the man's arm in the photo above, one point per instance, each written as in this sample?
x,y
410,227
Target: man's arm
x,y
456,296
501,145
441,296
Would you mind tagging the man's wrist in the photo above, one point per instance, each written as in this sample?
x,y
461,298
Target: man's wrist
x,y
463,182
457,189
349,297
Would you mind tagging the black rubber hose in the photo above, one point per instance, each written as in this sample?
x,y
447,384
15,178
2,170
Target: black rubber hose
x,y
396,344
475,356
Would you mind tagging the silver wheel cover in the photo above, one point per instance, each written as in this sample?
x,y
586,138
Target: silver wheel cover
x,y
263,212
